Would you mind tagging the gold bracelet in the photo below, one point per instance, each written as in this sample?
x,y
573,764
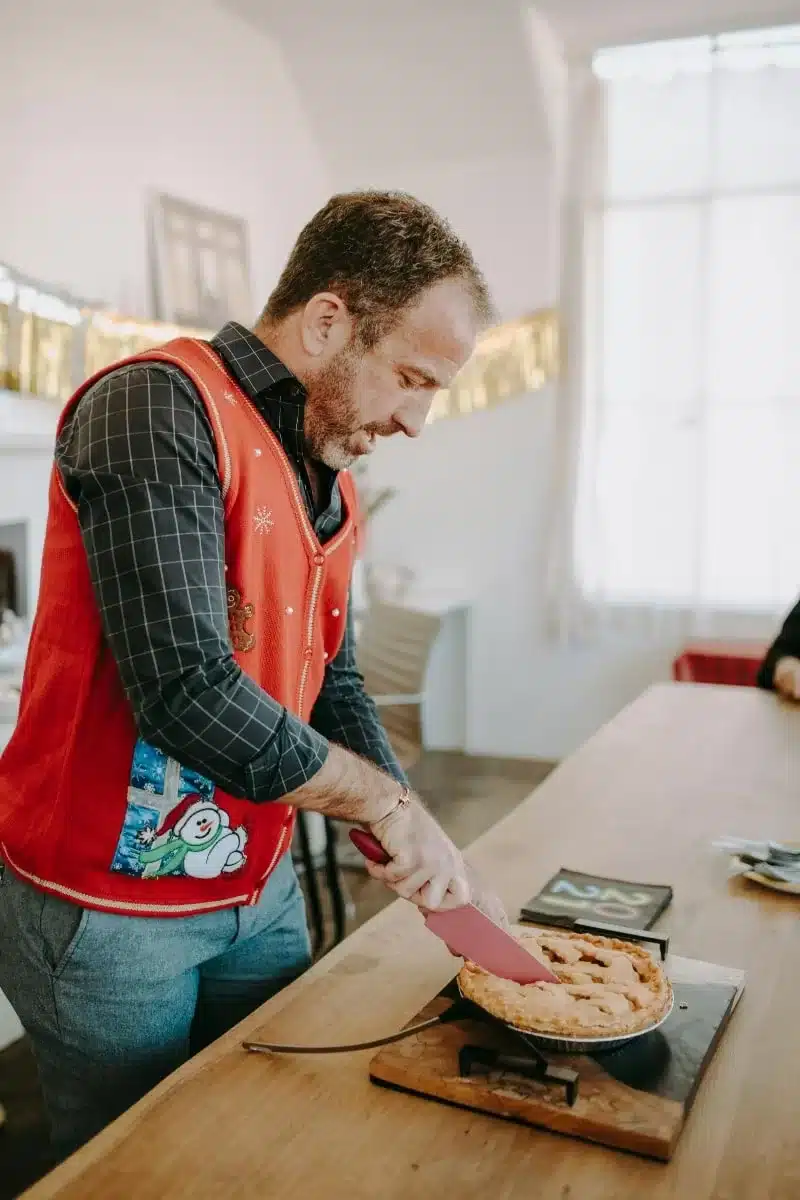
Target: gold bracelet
x,y
403,802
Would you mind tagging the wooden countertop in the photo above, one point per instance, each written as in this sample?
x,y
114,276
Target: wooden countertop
x,y
642,799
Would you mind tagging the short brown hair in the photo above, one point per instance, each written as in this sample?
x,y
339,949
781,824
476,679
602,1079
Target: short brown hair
x,y
378,251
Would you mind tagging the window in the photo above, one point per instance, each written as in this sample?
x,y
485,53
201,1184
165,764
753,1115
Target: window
x,y
689,478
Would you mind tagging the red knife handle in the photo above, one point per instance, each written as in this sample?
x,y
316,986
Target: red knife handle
x,y
369,846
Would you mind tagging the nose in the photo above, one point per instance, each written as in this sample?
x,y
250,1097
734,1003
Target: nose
x,y
411,419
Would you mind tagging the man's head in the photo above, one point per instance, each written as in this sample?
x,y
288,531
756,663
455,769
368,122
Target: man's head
x,y
378,306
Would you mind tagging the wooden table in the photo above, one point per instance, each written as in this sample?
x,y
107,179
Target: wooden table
x,y
642,799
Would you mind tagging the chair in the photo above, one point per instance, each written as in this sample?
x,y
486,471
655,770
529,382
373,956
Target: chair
x,y
393,650
307,863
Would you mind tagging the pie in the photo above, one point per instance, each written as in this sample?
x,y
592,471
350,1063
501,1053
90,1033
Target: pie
x,y
609,988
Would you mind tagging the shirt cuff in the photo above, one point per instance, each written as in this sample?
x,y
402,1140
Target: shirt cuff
x,y
294,757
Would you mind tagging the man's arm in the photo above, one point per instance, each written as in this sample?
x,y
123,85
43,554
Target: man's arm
x,y
785,646
346,715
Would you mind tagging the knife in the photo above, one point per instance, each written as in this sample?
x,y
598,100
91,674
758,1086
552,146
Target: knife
x,y
469,933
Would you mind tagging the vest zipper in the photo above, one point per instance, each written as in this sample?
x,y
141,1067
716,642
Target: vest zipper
x,y
256,896
309,647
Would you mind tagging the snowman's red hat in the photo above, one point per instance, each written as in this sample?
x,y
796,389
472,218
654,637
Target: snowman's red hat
x,y
179,811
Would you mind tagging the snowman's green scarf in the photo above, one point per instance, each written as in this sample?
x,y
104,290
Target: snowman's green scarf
x,y
170,855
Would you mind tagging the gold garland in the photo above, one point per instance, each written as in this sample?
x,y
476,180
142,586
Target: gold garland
x,y
50,343
45,357
48,356
7,377
509,360
110,338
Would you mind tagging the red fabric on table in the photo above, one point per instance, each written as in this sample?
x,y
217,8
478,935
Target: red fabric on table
x,y
733,663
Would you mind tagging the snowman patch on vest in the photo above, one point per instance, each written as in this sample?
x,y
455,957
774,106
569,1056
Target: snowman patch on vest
x,y
172,825
201,844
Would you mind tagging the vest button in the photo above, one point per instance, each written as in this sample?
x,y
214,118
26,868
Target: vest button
x,y
335,612
289,610
308,653
257,452
325,656
319,560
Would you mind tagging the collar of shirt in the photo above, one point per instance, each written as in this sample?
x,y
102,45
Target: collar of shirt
x,y
274,390
280,398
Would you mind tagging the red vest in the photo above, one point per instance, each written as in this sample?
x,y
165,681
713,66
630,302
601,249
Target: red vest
x,y
88,810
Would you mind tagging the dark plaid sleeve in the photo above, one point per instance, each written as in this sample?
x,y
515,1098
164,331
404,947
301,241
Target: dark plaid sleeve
x,y
345,714
137,457
786,645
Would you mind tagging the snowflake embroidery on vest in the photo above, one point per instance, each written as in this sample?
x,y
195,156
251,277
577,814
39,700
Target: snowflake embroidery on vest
x,y
263,520
230,397
239,614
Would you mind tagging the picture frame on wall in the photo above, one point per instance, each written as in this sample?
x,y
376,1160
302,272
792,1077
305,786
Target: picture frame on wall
x,y
201,267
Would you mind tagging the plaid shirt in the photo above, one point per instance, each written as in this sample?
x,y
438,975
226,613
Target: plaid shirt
x,y
137,457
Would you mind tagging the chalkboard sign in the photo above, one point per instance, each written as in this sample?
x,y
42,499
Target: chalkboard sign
x,y
573,895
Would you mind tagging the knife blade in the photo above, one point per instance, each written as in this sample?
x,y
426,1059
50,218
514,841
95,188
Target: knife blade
x,y
469,933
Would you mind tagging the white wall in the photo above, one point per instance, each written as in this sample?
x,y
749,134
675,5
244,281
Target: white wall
x,y
503,205
27,433
100,104
472,504
24,479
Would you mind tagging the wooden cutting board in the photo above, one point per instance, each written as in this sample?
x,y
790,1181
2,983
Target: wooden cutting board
x,y
637,1098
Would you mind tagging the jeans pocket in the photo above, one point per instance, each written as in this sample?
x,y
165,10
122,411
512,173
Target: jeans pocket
x,y
62,928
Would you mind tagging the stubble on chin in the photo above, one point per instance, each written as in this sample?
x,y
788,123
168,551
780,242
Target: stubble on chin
x,y
331,419
336,456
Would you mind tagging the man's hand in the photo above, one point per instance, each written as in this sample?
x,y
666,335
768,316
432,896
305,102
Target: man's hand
x,y
787,678
426,868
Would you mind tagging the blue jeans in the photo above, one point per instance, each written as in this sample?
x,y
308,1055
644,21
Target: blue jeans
x,y
113,1004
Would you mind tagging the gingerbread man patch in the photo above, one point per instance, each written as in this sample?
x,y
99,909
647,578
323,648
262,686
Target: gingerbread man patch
x,y
239,614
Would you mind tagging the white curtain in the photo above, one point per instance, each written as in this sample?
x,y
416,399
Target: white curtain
x,y
678,497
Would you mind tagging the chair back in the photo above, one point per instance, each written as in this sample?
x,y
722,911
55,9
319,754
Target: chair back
x,y
393,650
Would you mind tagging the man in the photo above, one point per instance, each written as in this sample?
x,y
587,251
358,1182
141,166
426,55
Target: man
x,y
191,679
780,669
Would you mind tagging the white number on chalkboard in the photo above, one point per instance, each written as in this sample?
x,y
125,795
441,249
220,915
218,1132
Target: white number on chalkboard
x,y
590,892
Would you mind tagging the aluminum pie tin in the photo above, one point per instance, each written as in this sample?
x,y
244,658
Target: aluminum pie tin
x,y
566,1045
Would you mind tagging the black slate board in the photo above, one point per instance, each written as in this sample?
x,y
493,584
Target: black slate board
x,y
669,1061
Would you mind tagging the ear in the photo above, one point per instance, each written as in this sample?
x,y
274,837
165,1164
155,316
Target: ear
x,y
326,326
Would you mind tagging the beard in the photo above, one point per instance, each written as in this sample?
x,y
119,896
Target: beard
x,y
331,414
